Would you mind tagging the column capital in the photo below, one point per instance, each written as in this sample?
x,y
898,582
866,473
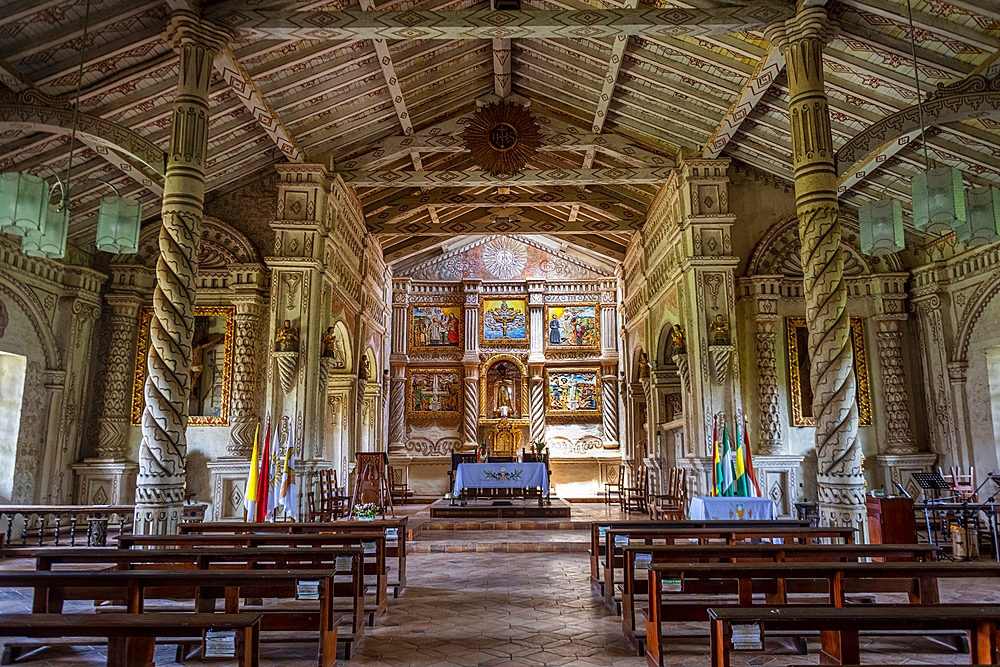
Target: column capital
x,y
811,23
124,305
186,28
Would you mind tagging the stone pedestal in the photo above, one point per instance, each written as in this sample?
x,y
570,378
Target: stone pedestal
x,y
105,481
229,482
779,478
899,468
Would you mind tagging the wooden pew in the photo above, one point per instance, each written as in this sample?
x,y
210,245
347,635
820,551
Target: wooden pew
x,y
840,626
202,586
349,587
777,579
395,546
374,563
614,558
597,529
731,553
132,637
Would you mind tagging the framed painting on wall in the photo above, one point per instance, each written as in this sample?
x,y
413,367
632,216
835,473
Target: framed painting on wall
x,y
435,327
572,391
572,327
434,392
799,367
211,366
505,322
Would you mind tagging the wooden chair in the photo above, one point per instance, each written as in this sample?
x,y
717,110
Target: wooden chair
x,y
612,483
635,495
332,504
397,486
964,486
670,506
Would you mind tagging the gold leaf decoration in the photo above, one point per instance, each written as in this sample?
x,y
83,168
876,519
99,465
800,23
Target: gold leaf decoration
x,y
502,137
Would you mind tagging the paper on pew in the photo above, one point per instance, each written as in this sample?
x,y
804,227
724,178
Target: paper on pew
x,y
343,563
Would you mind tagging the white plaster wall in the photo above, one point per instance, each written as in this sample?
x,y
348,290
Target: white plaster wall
x,y
12,372
982,390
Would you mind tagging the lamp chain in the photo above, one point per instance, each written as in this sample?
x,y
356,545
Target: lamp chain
x,y
76,105
916,77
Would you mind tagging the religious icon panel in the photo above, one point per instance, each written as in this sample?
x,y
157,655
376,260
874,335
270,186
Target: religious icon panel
x,y
573,327
505,322
211,366
434,393
435,327
573,391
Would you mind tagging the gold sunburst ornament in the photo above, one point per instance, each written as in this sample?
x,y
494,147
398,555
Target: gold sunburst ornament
x,y
502,137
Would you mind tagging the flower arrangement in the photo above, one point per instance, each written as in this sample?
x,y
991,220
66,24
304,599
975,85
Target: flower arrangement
x,y
364,512
539,446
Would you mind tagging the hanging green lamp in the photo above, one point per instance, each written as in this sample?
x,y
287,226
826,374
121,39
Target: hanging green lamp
x,y
982,209
118,225
51,242
938,200
23,202
881,225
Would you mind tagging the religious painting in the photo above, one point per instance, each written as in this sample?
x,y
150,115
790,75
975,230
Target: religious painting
x,y
799,367
434,392
211,366
572,391
435,327
505,322
572,327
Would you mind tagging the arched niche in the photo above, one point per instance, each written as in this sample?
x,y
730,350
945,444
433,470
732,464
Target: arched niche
x,y
521,394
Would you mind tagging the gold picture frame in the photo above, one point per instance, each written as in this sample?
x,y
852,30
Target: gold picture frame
x,y
496,315
566,324
217,394
798,371
427,332
582,387
443,400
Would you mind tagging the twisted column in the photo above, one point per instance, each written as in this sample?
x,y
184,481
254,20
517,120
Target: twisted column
x,y
397,415
609,409
113,424
769,440
536,406
894,394
840,477
162,453
243,413
470,410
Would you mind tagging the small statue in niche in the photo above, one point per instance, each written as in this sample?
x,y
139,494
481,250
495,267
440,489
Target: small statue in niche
x,y
680,341
365,372
332,347
719,329
504,400
643,364
287,338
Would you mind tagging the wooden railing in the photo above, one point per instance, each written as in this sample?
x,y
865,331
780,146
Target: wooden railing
x,y
32,526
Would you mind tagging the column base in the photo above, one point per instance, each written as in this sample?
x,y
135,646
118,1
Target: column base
x,y
105,481
157,519
899,468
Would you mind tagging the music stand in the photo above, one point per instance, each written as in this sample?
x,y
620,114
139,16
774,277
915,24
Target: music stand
x,y
931,481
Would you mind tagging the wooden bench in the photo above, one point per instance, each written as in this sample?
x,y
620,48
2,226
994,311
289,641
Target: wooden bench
x,y
395,546
731,553
374,563
614,558
598,528
131,637
839,626
205,587
348,583
777,579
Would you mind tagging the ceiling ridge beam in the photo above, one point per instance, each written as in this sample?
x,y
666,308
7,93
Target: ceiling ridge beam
x,y
502,83
542,177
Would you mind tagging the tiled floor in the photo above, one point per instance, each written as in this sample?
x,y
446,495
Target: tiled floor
x,y
531,609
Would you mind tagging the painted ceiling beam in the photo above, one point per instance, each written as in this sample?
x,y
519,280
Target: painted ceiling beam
x,y
236,75
527,221
706,17
527,178
934,24
445,198
502,79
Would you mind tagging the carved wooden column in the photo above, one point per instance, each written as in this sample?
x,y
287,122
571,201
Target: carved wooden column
x,y
113,424
609,406
536,403
769,441
470,359
894,394
162,453
840,477
243,411
398,361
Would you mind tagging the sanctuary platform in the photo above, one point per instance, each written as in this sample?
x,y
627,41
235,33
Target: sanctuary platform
x,y
509,508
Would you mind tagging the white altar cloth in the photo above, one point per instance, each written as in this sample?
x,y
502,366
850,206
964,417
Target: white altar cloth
x,y
730,507
501,476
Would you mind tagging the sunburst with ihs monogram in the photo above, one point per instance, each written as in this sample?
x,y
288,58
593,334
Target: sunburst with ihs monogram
x,y
502,137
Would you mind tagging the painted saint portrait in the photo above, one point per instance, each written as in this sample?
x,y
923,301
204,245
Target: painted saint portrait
x,y
573,327
505,321
436,327
434,393
573,391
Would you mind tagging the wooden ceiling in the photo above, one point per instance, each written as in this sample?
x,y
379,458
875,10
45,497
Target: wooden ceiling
x,y
382,92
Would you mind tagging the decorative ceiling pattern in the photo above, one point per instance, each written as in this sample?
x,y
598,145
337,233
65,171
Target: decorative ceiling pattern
x,y
383,91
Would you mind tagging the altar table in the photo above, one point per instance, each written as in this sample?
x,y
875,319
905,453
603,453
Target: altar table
x,y
501,476
731,507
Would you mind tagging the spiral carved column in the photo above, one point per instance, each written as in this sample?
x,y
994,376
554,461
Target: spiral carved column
x,y
609,387
536,405
840,477
163,451
894,394
113,424
470,411
397,415
243,413
769,441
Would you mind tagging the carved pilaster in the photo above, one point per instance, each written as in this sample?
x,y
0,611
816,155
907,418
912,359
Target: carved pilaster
x,y
900,439
243,411
769,439
840,478
113,424
536,315
162,454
